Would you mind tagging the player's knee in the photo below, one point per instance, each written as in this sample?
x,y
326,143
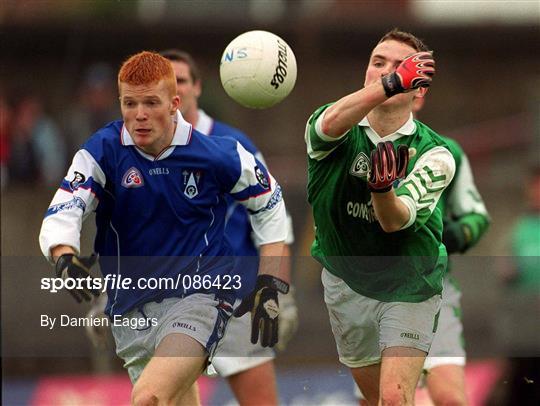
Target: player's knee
x,y
396,396
144,396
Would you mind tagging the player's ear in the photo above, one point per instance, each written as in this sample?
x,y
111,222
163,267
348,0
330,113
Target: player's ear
x,y
422,91
175,104
419,100
198,88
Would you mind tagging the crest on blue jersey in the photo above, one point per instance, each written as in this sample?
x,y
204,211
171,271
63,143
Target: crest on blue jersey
x,y
360,166
78,179
191,181
261,178
132,178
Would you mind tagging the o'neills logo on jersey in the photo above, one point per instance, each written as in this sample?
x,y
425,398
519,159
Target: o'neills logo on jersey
x,y
132,178
360,166
191,182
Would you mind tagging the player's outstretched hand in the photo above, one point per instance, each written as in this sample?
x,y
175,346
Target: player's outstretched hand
x,y
78,268
387,165
264,307
288,319
413,72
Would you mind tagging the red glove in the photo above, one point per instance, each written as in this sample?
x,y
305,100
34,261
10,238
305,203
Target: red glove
x,y
413,72
387,166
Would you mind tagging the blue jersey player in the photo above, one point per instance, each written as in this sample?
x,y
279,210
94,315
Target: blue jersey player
x,y
248,367
159,188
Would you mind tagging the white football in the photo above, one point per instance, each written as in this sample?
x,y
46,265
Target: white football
x,y
258,69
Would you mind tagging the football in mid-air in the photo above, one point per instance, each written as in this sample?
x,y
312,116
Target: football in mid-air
x,y
258,69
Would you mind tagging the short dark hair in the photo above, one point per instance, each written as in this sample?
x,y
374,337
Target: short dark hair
x,y
405,37
175,55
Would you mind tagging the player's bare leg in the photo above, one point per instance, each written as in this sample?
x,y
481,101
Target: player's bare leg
x,y
255,386
400,370
169,376
446,385
367,379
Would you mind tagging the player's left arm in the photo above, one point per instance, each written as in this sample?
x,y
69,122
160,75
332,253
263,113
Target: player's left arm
x,y
421,190
469,218
388,164
259,192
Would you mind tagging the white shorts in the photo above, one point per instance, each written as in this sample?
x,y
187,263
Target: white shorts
x,y
448,344
447,347
235,353
364,327
200,316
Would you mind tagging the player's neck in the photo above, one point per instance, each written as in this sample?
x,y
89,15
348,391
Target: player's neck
x,y
386,121
161,144
192,116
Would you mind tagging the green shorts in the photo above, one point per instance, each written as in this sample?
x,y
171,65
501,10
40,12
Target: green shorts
x,y
364,327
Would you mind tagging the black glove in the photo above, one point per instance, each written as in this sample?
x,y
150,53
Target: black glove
x,y
413,72
264,307
454,237
78,268
387,166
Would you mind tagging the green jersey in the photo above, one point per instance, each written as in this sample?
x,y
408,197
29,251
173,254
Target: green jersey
x,y
407,265
461,202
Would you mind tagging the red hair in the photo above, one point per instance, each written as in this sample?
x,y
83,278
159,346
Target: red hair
x,y
146,68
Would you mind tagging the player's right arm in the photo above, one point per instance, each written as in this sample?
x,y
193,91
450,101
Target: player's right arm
x,y
74,200
413,72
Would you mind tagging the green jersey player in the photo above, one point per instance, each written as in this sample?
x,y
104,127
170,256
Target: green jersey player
x,y
375,177
465,220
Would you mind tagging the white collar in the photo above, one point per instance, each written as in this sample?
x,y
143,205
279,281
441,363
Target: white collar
x,y
205,123
406,129
181,136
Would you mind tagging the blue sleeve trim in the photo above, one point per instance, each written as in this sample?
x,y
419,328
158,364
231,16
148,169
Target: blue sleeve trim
x,y
89,184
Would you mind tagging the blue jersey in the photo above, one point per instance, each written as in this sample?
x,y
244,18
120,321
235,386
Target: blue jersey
x,y
238,230
237,227
163,217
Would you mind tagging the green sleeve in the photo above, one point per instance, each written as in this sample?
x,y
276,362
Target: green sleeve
x,y
319,145
474,226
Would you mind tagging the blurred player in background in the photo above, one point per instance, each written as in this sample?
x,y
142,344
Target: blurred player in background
x,y
375,176
465,222
248,367
519,319
157,186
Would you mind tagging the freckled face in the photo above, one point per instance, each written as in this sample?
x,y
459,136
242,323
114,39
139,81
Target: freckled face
x,y
148,111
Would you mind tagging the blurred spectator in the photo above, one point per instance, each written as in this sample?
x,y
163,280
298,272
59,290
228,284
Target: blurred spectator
x,y
520,317
525,240
5,120
37,152
96,104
